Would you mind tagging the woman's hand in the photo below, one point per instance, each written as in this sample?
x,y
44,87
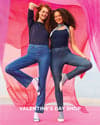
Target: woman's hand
x,y
32,6
84,56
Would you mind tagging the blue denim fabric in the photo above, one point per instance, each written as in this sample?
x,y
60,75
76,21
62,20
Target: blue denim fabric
x,y
59,57
36,54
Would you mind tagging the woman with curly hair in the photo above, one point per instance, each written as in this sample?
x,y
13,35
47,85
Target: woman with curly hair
x,y
62,32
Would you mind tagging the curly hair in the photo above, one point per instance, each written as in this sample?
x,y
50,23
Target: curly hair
x,y
46,22
67,17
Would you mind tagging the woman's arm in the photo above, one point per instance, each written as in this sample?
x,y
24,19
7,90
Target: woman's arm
x,y
73,43
31,14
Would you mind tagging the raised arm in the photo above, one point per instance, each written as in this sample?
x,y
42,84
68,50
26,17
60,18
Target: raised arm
x,y
31,14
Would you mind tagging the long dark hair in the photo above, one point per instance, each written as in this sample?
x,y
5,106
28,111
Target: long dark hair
x,y
46,22
68,18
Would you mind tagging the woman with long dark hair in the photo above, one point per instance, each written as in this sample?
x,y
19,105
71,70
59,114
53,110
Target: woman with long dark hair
x,y
62,32
38,52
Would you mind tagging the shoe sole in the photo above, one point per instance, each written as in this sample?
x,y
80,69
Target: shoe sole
x,y
60,120
36,120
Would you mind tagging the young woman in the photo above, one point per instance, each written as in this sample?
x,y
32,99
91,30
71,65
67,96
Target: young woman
x,y
62,26
38,52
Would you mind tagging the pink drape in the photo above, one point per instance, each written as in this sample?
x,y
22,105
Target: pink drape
x,y
17,43
92,11
4,13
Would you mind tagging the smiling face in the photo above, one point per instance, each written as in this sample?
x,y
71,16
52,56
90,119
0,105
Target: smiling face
x,y
57,17
43,13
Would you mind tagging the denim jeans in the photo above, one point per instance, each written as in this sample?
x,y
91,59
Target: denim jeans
x,y
59,57
36,54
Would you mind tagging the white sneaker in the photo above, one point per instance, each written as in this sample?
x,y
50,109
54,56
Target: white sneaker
x,y
60,117
36,117
36,120
63,80
36,86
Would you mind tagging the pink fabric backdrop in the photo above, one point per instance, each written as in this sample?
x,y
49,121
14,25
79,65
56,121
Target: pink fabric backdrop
x,y
92,11
4,13
17,43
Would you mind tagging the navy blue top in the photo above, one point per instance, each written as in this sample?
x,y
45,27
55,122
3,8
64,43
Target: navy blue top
x,y
59,38
37,32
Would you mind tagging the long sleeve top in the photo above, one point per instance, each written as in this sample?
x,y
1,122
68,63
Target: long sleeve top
x,y
37,31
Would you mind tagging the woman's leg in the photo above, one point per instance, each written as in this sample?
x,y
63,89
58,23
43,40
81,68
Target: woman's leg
x,y
82,64
56,68
44,62
14,68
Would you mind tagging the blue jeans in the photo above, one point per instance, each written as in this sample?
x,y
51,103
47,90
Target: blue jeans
x,y
59,57
36,54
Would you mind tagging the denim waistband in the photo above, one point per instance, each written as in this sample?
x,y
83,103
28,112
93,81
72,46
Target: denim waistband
x,y
60,49
39,46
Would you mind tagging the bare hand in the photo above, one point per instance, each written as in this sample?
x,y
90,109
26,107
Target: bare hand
x,y
32,6
84,56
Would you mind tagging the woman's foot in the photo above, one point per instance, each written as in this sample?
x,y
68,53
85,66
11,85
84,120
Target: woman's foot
x,y
63,80
36,117
35,84
61,117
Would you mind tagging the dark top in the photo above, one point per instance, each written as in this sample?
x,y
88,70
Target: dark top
x,y
59,38
37,32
